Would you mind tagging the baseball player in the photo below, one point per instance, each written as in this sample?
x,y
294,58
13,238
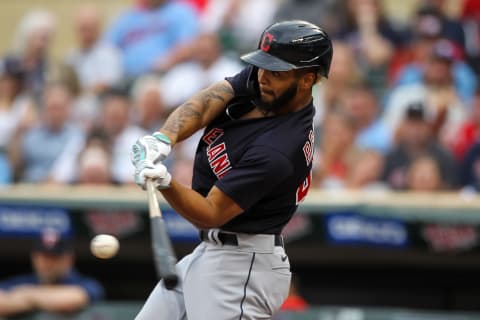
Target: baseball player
x,y
252,169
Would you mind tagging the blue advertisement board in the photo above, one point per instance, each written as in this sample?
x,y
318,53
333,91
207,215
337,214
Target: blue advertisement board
x,y
20,220
357,229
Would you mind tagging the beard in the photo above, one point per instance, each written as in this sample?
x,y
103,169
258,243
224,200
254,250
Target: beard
x,y
279,102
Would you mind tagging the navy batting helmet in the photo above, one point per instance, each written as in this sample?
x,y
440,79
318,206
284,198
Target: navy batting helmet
x,y
291,45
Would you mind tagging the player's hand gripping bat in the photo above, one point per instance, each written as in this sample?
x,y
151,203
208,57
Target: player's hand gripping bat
x,y
163,254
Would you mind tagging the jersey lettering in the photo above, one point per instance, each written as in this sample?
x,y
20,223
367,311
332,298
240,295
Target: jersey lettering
x,y
221,165
302,190
212,136
308,148
212,153
217,156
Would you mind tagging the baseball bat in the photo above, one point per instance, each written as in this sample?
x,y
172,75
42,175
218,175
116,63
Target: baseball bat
x,y
163,254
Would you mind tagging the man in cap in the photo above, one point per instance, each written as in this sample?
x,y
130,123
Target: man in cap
x,y
55,285
252,169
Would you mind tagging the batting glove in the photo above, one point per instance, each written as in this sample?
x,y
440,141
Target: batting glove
x,y
157,172
153,148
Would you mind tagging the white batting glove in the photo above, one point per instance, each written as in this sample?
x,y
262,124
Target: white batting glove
x,y
154,148
157,172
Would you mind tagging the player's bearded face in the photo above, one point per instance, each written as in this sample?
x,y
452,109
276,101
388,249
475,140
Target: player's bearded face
x,y
278,101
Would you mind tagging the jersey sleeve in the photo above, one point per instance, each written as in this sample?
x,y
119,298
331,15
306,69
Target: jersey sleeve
x,y
259,171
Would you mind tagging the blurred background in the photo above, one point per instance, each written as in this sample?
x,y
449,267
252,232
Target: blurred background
x,y
390,228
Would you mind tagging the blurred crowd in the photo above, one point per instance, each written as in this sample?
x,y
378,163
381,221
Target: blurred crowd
x,y
400,110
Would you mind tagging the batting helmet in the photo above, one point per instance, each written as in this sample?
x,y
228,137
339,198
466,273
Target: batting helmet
x,y
291,45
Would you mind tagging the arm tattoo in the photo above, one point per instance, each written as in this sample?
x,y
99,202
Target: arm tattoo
x,y
176,122
194,114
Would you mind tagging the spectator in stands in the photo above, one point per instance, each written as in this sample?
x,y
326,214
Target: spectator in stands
x,y
337,153
95,160
451,28
54,286
414,139
360,102
444,109
32,45
366,173
48,152
471,26
373,40
469,131
209,65
410,65
151,35
369,14
115,121
424,175
17,112
98,64
344,72
149,106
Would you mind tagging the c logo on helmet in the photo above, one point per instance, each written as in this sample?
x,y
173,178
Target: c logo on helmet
x,y
266,42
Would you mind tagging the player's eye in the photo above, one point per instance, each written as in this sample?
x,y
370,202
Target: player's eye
x,y
276,74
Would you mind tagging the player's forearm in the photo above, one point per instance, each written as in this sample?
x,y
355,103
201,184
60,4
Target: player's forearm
x,y
197,112
189,204
203,212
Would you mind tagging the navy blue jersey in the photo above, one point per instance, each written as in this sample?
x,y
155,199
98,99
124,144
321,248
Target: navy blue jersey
x,y
263,164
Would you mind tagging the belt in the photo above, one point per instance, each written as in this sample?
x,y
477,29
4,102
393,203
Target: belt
x,y
231,238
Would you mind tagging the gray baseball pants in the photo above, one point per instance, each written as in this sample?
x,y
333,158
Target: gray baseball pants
x,y
248,281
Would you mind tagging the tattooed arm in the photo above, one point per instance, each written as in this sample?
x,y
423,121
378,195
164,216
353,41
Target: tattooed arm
x,y
216,208
197,112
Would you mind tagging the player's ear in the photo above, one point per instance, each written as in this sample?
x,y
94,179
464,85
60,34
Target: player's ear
x,y
308,80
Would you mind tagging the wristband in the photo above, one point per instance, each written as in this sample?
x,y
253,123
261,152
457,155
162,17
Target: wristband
x,y
161,137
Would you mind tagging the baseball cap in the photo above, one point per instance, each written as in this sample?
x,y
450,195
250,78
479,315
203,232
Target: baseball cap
x,y
53,242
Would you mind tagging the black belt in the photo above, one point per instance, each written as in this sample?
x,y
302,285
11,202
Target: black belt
x,y
231,238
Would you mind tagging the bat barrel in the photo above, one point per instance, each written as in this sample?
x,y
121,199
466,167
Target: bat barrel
x,y
165,261
163,254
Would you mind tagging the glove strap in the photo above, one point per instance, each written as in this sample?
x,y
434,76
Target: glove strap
x,y
161,137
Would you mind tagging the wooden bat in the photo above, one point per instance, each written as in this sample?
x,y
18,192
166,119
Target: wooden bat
x,y
163,255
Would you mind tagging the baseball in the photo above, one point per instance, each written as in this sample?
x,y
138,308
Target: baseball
x,y
104,246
